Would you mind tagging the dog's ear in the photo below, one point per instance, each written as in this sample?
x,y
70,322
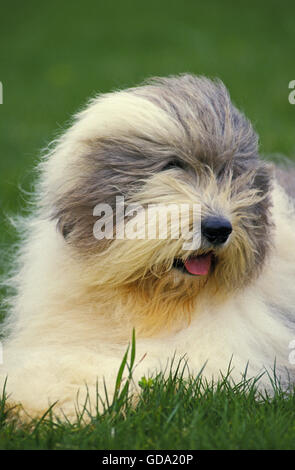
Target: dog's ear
x,y
73,213
65,228
263,177
65,221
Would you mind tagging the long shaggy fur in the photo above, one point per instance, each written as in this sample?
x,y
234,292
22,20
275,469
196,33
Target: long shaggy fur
x,y
75,300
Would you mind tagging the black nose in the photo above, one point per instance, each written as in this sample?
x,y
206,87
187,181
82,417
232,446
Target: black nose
x,y
216,229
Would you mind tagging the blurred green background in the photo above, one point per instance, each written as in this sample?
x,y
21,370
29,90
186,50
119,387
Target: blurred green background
x,y
55,55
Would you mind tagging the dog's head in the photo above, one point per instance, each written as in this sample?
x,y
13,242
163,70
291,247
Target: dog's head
x,y
170,142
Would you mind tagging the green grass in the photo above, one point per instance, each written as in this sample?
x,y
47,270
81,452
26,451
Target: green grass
x,y
171,413
53,57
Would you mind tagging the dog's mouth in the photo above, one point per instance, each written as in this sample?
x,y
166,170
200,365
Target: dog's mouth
x,y
196,265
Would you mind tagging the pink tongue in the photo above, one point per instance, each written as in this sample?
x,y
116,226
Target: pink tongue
x,y
199,265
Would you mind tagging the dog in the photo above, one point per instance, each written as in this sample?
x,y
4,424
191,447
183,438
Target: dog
x,y
76,296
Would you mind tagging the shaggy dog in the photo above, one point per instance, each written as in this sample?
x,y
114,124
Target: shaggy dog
x,y
77,297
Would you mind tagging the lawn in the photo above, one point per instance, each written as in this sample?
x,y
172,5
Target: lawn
x,y
172,413
54,56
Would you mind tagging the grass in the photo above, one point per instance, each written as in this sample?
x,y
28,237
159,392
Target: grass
x,y
172,413
56,55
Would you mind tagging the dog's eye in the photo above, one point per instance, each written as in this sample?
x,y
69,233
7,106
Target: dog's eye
x,y
173,164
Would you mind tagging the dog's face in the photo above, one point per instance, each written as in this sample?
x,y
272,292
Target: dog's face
x,y
172,141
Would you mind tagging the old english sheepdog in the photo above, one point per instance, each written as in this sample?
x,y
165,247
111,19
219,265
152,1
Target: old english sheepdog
x,y
76,296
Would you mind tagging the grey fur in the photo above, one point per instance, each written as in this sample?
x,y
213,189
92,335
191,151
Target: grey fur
x,y
286,179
